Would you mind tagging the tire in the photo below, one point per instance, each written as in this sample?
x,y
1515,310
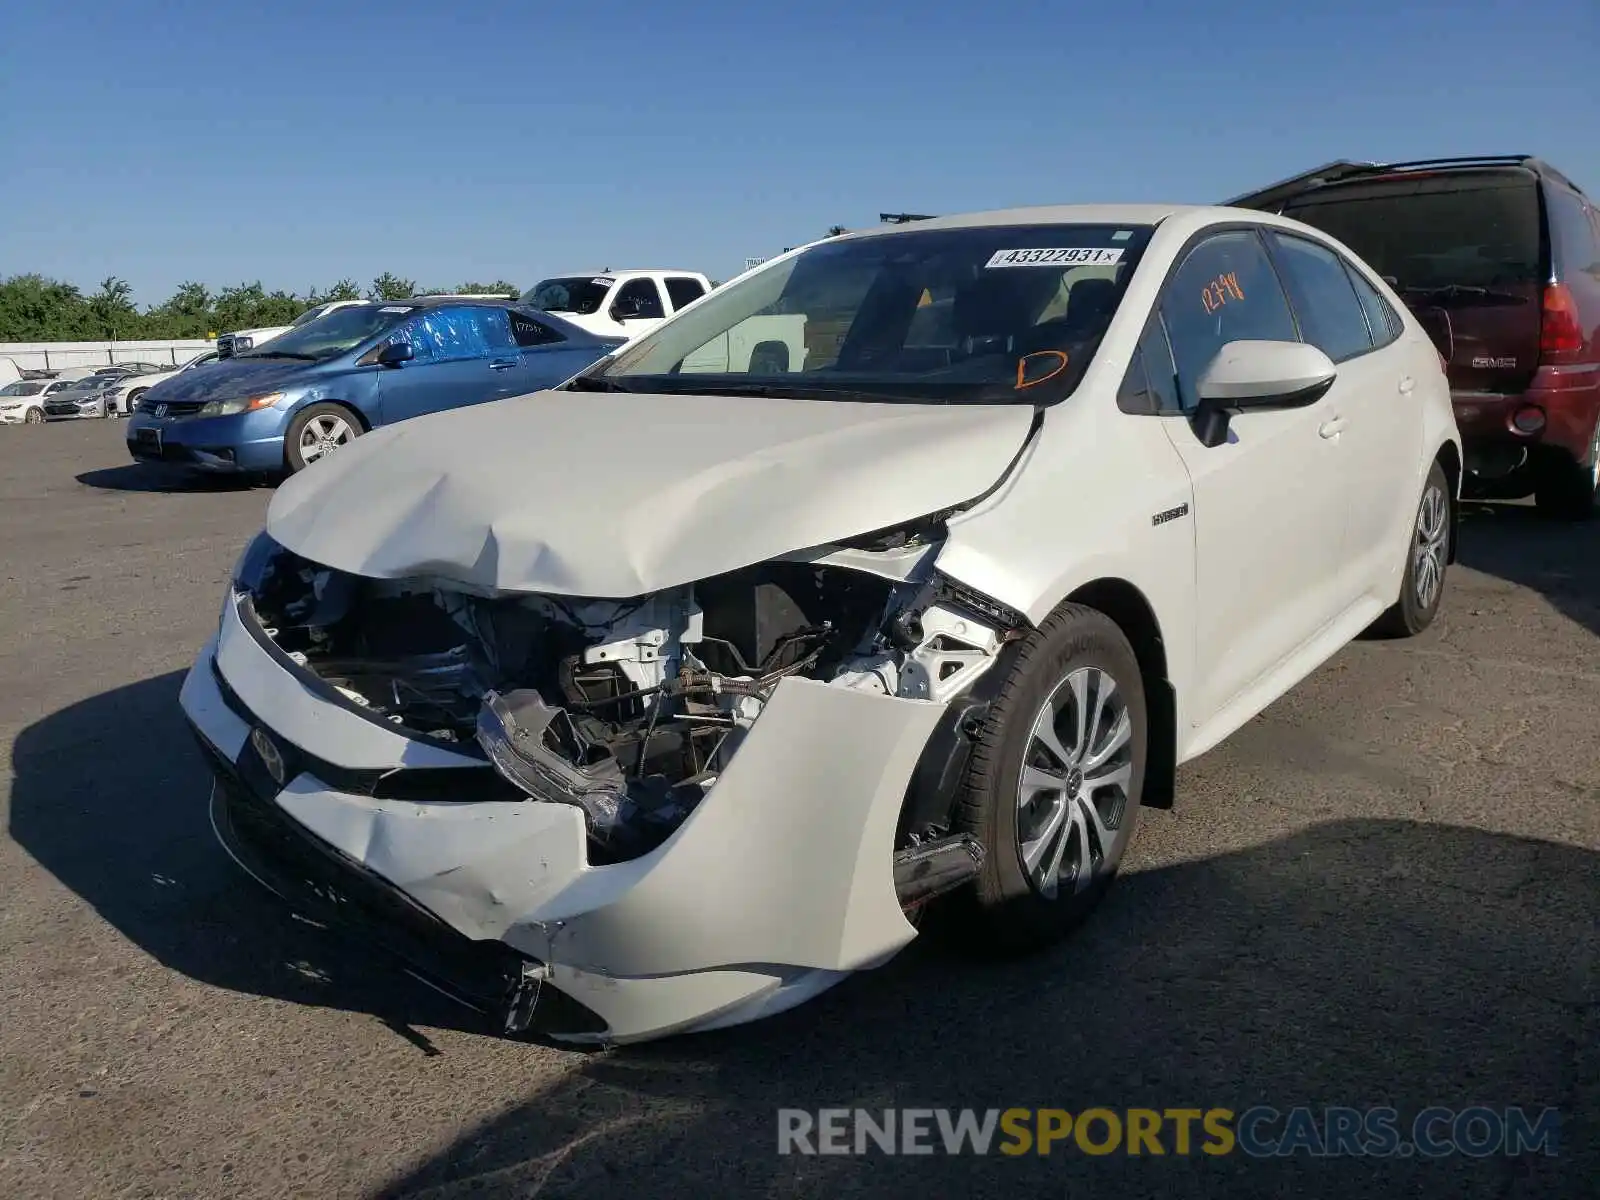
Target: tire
x,y
316,432
133,401
1567,489
1427,557
1018,905
34,416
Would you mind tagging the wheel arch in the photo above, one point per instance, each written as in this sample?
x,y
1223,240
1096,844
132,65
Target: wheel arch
x,y
1448,456
1131,611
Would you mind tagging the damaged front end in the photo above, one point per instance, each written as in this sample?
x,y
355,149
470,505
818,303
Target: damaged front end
x,y
632,713
627,709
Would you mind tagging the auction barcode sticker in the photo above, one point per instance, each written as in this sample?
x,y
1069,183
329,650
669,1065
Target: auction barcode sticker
x,y
1058,257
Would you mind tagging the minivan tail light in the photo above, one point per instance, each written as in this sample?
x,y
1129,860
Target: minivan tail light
x,y
1559,332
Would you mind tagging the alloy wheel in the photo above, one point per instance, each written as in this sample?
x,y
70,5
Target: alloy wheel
x,y
322,435
1428,552
1073,791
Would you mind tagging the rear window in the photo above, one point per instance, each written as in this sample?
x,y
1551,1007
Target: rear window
x,y
1468,231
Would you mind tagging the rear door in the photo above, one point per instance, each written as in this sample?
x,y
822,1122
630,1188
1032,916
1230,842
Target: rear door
x,y
547,356
683,290
1465,248
1376,399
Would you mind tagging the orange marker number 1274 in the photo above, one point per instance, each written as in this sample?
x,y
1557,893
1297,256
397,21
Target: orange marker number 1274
x,y
1220,291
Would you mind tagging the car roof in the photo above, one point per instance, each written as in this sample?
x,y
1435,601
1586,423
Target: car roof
x,y
628,274
1342,171
1043,214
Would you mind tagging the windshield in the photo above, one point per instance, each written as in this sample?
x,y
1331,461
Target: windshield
x,y
582,295
310,314
978,315
23,388
1466,231
333,334
90,383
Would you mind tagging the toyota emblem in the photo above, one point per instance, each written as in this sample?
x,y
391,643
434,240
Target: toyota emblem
x,y
271,756
161,410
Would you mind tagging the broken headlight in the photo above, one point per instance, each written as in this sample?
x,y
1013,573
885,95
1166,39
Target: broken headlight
x,y
255,564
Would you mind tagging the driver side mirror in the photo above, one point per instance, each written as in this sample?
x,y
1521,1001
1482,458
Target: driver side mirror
x,y
396,353
629,308
1256,375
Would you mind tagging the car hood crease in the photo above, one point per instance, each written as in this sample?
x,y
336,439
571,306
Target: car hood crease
x,y
622,494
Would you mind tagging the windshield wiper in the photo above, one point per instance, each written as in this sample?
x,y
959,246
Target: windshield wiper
x,y
277,354
810,391
596,383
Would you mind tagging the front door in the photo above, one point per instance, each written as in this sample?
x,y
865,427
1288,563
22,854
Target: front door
x,y
462,356
1269,504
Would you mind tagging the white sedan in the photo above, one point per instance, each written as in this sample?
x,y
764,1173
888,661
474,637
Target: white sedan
x,y
125,397
664,700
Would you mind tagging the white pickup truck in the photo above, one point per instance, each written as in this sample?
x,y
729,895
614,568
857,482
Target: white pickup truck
x,y
617,303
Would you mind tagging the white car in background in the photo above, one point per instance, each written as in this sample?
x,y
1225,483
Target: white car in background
x,y
665,700
241,340
22,403
123,399
617,303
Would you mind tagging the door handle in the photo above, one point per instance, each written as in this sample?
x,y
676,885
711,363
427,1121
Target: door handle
x,y
1407,385
502,364
1331,428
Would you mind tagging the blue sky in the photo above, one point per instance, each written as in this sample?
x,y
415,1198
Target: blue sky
x,y
298,142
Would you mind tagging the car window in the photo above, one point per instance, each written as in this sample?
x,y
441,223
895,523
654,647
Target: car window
x,y
1331,316
1471,229
684,290
1573,230
1225,291
638,298
1382,319
496,329
525,331
450,334
1149,388
23,388
580,294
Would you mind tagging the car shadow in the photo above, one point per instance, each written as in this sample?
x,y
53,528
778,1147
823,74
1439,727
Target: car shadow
x,y
154,477
1558,559
1359,963
110,795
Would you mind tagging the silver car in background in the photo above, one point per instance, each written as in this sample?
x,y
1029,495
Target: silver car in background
x,y
88,397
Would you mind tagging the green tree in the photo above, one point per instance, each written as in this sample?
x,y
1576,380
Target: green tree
x,y
498,288
392,287
113,310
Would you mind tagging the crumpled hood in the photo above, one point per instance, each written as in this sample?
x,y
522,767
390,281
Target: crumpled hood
x,y
605,494
230,379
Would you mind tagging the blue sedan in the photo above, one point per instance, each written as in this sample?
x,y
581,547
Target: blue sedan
x,y
308,391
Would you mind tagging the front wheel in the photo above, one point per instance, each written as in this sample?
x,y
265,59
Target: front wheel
x,y
1427,555
133,402
317,432
34,416
1055,779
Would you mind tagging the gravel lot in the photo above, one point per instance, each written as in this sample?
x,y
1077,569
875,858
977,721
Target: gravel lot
x,y
1386,890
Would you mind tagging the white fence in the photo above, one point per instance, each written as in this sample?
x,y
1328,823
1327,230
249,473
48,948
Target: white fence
x,y
58,356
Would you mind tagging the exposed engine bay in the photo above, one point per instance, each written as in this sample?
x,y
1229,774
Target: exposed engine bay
x,y
630,709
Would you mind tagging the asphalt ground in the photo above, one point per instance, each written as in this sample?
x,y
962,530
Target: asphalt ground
x,y
1383,891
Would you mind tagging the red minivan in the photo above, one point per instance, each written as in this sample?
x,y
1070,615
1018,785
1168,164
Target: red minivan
x,y
1499,258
